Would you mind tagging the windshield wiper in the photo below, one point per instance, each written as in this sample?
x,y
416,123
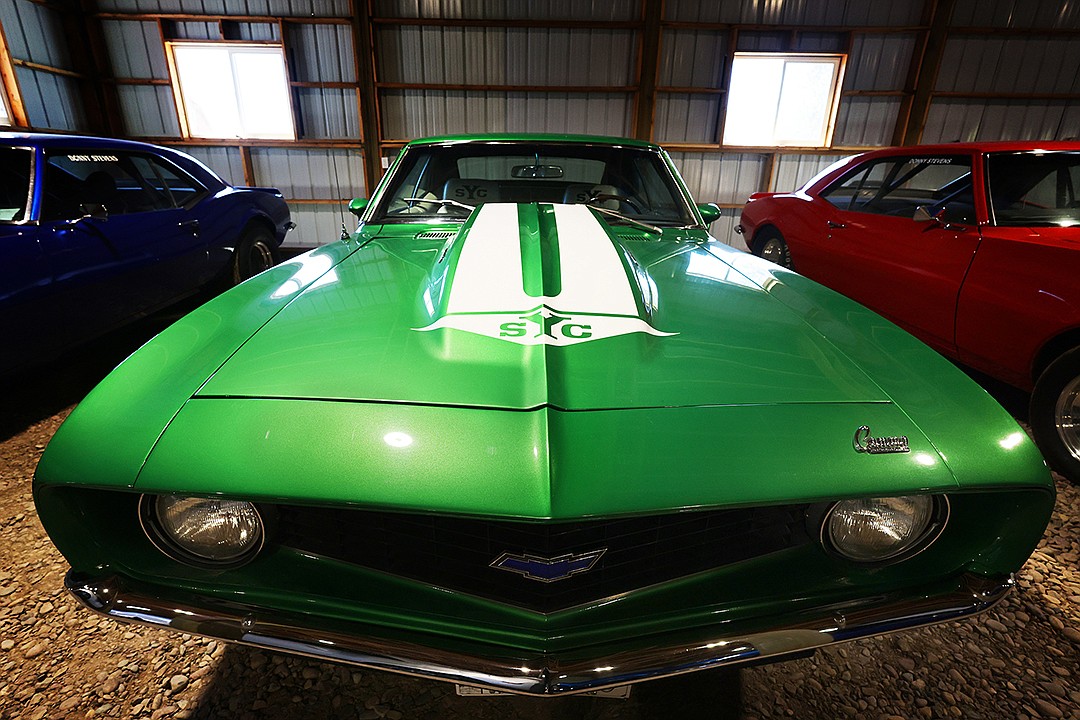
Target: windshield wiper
x,y
438,201
624,218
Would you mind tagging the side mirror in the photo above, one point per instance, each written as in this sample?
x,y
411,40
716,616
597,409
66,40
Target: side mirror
x,y
357,206
710,212
93,211
923,215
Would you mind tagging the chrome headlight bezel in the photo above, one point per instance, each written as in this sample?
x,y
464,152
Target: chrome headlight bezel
x,y
156,530
920,540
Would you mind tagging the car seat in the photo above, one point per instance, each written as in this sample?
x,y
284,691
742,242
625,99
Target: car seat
x,y
580,193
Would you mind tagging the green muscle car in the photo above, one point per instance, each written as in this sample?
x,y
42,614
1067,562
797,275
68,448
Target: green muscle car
x,y
531,429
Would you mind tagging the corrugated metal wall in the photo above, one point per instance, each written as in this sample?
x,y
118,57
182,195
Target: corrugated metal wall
x,y
317,180
51,99
1006,70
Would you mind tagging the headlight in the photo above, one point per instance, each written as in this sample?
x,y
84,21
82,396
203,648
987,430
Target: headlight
x,y
202,531
877,529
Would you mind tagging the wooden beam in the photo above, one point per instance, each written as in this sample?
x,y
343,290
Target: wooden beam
x,y
212,17
463,87
510,23
49,69
923,73
90,51
11,84
367,96
652,13
729,61
249,167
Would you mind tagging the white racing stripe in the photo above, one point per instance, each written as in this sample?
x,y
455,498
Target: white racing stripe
x,y
487,295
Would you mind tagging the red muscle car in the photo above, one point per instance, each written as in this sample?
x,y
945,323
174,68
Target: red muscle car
x,y
974,248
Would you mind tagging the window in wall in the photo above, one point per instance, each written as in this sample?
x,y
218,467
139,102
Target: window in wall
x,y
5,113
228,90
782,99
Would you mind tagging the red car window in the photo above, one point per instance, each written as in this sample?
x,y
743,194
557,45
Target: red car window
x,y
899,186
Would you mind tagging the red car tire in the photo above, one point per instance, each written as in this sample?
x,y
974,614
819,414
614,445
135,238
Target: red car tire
x,y
1055,414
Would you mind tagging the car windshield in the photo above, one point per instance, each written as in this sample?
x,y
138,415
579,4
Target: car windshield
x,y
1035,188
445,182
15,165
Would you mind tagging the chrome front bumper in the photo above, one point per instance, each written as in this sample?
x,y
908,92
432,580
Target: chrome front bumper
x,y
541,675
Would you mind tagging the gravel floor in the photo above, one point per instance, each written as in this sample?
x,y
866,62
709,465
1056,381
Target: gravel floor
x,y
1019,660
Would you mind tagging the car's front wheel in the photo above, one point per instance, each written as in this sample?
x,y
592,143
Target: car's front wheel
x,y
770,244
1055,414
254,253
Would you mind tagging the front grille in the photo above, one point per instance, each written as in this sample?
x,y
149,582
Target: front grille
x,y
456,553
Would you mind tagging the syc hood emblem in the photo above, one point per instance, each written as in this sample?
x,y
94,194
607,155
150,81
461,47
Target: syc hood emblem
x,y
865,443
535,289
548,570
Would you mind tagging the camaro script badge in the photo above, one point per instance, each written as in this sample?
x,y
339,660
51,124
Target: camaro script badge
x,y
865,443
548,570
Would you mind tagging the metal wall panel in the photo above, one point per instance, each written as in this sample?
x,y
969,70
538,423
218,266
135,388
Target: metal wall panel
x,y
408,114
225,161
310,173
693,58
686,118
506,56
599,10
821,42
726,178
1017,14
268,8
866,121
196,31
51,101
961,120
762,41
797,12
792,171
35,33
260,32
990,64
318,224
327,113
321,53
149,111
879,61
135,49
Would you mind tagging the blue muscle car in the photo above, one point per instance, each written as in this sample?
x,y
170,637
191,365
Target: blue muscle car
x,y
95,233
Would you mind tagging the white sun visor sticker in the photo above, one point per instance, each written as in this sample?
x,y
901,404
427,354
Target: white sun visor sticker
x,y
594,298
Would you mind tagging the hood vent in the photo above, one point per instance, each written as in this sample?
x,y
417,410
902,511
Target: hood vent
x,y
436,235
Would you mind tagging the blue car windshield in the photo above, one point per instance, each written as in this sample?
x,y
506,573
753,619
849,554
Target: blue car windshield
x,y
15,170
445,182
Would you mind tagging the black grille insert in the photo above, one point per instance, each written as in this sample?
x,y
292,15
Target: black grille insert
x,y
456,553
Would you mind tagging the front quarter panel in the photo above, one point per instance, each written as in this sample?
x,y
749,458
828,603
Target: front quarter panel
x,y
979,442
107,438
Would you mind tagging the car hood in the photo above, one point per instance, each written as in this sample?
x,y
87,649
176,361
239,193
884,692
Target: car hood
x,y
536,305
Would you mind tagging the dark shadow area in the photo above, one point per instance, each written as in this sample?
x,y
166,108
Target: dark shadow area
x,y
1014,400
35,392
250,683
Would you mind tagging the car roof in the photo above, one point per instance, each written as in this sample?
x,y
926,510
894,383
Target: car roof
x,y
60,140
969,147
533,138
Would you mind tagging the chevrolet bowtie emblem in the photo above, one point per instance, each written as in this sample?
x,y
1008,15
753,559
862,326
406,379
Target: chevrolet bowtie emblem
x,y
548,569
